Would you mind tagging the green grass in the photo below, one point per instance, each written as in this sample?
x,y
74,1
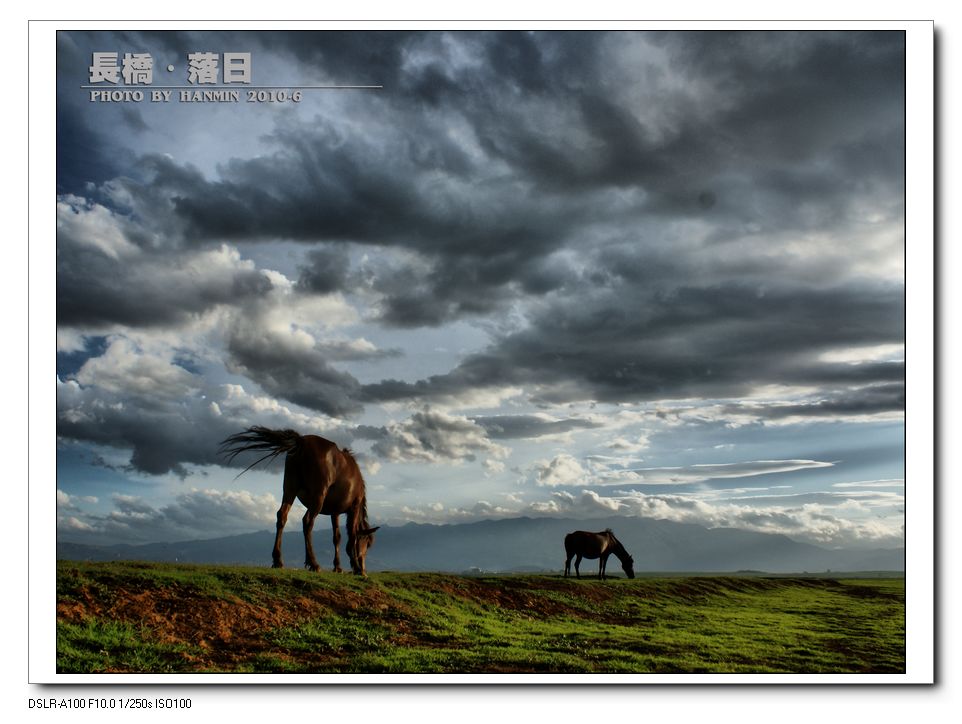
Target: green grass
x,y
145,617
98,646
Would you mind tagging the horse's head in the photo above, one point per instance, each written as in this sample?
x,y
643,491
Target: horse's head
x,y
628,564
365,539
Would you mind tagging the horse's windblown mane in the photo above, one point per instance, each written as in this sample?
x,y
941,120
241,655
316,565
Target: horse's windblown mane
x,y
349,454
260,439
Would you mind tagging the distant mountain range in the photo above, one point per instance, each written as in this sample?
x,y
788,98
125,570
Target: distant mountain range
x,y
521,545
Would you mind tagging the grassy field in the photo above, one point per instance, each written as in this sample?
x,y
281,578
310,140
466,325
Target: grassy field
x,y
126,617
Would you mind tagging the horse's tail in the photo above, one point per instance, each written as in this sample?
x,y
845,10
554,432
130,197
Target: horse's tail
x,y
259,438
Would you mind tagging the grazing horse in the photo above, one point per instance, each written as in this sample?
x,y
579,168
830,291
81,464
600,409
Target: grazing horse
x,y
325,479
596,545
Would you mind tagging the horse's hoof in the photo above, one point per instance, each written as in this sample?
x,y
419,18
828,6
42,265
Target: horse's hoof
x,y
277,564
339,570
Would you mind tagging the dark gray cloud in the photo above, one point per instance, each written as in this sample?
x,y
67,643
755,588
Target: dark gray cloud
x,y
167,424
134,119
96,290
88,154
302,375
779,134
85,155
471,287
870,400
327,270
668,215
111,272
627,345
554,154
160,440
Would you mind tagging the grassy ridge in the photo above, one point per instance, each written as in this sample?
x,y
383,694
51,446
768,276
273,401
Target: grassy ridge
x,y
162,618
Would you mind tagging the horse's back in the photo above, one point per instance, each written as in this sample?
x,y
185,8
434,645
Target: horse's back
x,y
588,544
313,456
317,469
318,446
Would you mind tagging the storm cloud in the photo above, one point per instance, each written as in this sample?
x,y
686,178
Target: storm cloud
x,y
527,256
627,344
488,181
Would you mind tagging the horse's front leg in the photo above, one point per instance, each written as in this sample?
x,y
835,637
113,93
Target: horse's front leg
x,y
353,522
602,564
337,543
309,560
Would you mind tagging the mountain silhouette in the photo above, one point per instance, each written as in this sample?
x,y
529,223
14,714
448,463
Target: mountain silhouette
x,y
522,544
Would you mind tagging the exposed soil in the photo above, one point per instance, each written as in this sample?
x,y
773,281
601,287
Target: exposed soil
x,y
226,630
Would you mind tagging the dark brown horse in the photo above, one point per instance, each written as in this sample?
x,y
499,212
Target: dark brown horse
x,y
324,478
583,544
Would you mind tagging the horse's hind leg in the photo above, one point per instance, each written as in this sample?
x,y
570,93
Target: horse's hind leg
x,y
578,566
568,564
310,561
281,522
287,500
337,543
353,522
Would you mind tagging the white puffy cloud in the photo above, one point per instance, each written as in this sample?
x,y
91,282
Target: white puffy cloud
x,y
837,521
563,469
626,445
73,524
197,513
827,519
126,370
440,513
493,467
434,436
70,340
87,223
72,502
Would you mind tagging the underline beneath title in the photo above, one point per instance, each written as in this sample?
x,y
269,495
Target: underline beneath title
x,y
237,86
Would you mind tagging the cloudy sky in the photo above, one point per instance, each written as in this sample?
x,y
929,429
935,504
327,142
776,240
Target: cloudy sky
x,y
567,274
